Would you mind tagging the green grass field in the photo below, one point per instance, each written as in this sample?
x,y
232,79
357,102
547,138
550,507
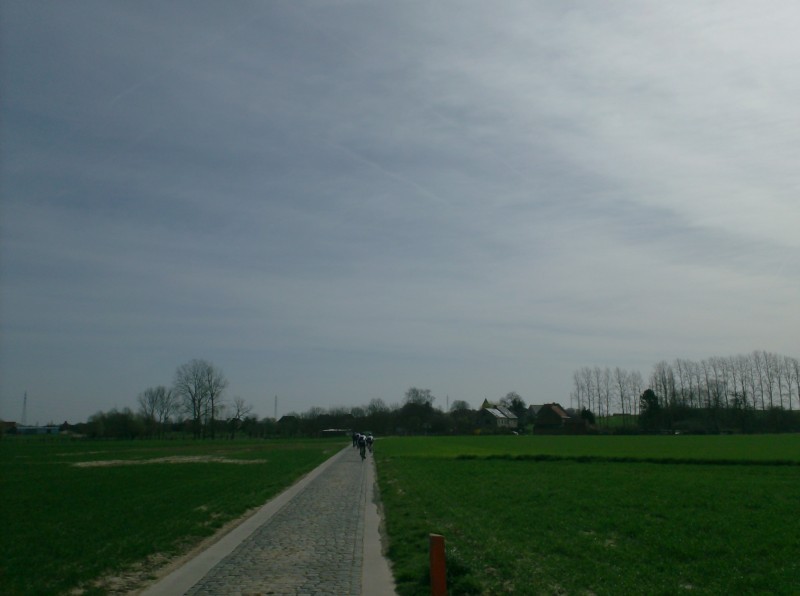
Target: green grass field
x,y
523,515
74,512
598,515
717,448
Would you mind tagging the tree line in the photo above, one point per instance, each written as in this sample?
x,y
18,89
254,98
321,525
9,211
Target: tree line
x,y
416,414
196,405
756,392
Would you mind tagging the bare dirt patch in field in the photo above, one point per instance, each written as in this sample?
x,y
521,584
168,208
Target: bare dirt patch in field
x,y
174,459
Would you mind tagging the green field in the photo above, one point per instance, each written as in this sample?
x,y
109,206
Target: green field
x,y
717,449
522,515
75,512
596,515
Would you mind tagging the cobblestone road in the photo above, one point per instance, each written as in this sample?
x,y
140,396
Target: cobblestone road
x,y
313,545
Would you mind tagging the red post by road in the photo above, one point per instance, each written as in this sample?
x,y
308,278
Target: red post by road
x,y
438,566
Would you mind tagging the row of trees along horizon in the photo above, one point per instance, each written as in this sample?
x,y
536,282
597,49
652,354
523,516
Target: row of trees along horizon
x,y
750,393
756,392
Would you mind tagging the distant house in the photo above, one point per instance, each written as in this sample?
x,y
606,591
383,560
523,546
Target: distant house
x,y
552,419
533,410
493,416
288,425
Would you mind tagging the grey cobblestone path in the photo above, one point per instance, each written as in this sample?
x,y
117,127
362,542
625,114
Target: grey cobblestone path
x,y
313,545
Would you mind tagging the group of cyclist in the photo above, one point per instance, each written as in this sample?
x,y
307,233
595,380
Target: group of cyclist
x,y
363,442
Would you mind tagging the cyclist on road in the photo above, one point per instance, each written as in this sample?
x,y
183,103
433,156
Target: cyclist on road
x,y
362,446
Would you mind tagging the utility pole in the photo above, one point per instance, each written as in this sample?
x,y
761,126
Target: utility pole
x,y
276,408
24,420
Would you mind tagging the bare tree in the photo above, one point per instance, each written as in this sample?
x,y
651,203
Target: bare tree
x,y
751,374
758,365
240,410
376,406
780,367
216,383
586,377
156,405
200,385
166,404
695,384
148,400
621,384
788,378
704,364
419,396
459,405
579,394
597,377
339,411
313,412
606,391
770,375
680,366
190,388
730,364
636,388
745,374
663,381
719,389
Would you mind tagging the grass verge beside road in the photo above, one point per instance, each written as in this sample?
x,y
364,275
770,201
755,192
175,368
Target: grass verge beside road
x,y
595,518
75,512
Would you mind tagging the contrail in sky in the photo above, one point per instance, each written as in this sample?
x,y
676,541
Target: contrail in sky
x,y
398,177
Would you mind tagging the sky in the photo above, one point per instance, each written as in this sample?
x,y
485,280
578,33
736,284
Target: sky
x,y
335,201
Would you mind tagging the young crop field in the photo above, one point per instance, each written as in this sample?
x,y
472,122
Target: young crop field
x,y
716,449
525,515
595,515
76,515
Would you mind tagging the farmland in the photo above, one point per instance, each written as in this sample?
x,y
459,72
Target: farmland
x,y
76,512
524,515
602,515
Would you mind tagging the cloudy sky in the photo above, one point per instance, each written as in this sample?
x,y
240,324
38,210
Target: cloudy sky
x,y
336,201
